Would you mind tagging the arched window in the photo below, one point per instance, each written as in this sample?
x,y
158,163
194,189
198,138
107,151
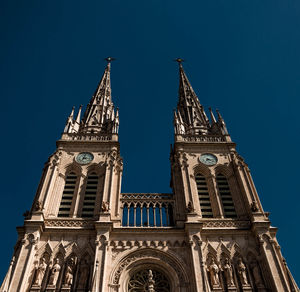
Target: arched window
x,y
226,198
203,195
90,196
142,280
68,195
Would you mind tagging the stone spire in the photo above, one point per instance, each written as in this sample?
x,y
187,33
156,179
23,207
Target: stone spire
x,y
189,108
99,116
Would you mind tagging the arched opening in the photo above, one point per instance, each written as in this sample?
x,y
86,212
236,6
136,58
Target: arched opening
x,y
225,195
203,195
68,195
145,280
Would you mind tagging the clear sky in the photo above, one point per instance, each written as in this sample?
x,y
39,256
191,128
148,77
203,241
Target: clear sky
x,y
242,57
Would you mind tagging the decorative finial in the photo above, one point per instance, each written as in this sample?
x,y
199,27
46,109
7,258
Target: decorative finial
x,y
109,59
179,60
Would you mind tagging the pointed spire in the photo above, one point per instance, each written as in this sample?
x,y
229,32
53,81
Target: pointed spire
x,y
70,121
212,117
77,121
189,107
99,114
221,123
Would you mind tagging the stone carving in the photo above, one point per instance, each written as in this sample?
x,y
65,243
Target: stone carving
x,y
190,207
231,223
147,254
68,281
241,268
151,282
69,223
69,276
105,207
54,273
214,273
40,272
84,274
227,268
38,206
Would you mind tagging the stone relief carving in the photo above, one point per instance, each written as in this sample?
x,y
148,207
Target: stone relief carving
x,y
69,223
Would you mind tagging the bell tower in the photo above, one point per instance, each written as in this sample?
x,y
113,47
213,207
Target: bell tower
x,y
80,185
218,204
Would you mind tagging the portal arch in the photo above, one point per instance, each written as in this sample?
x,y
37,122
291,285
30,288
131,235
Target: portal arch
x,y
161,263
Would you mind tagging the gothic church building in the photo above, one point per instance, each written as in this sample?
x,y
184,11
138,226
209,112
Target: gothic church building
x,y
210,234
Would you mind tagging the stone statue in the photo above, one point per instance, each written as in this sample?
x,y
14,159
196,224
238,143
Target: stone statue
x,y
105,207
40,272
151,282
227,268
38,206
242,272
69,275
54,273
190,207
83,276
214,274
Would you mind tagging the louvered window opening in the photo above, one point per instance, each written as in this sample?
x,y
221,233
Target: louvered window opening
x,y
67,196
88,206
147,215
226,198
203,195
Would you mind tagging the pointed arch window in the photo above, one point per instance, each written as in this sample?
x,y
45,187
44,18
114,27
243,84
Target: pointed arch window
x,y
226,198
68,195
203,195
89,200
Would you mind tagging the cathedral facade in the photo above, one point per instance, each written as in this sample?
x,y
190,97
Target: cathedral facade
x,y
210,234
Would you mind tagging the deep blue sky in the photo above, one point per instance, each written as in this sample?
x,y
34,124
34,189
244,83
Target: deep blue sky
x,y
241,57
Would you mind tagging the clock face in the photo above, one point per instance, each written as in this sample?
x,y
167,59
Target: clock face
x,y
84,157
208,159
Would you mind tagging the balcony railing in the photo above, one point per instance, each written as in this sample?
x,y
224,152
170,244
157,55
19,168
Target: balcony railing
x,y
202,138
147,210
89,137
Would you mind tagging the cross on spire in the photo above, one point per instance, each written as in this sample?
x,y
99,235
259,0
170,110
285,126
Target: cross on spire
x,y
109,59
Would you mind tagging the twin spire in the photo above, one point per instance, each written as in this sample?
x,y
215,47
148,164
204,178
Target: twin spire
x,y
190,117
101,118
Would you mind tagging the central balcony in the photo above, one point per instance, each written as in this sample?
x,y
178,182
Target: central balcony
x,y
147,210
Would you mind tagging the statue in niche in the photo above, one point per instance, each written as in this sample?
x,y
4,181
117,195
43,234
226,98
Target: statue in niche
x,y
227,268
40,272
257,276
242,272
214,273
84,274
69,274
54,273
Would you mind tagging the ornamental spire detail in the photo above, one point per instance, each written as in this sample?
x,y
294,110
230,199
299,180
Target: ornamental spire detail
x,y
190,117
99,116
189,108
